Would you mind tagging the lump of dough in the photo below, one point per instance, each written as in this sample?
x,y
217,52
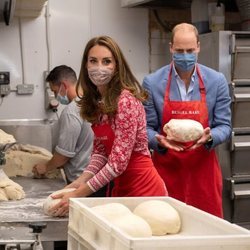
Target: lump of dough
x,y
111,211
10,190
21,158
3,196
122,217
183,130
50,202
133,225
6,138
161,216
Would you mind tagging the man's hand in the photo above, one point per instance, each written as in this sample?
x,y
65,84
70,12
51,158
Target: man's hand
x,y
39,170
203,140
169,144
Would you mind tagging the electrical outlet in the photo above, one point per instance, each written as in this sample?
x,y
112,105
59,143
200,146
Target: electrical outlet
x,y
25,89
4,83
4,89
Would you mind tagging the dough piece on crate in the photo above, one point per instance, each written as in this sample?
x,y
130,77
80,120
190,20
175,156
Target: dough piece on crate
x,y
112,211
183,130
123,218
21,158
161,216
50,202
133,225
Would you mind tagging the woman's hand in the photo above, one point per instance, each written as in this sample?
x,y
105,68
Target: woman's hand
x,y
62,208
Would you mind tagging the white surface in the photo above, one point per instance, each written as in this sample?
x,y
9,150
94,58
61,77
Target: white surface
x,y
200,230
71,25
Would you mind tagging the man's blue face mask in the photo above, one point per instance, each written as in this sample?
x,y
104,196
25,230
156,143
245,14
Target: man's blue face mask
x,y
62,99
184,61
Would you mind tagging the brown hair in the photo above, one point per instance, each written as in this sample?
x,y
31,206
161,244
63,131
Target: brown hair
x,y
123,78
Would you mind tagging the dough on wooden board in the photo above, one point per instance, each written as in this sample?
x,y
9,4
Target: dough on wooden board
x,y
50,202
161,216
183,130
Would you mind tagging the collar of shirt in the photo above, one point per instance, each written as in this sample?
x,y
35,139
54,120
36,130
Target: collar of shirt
x,y
185,95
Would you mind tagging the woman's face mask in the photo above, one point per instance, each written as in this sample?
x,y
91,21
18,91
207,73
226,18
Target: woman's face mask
x,y
100,75
185,61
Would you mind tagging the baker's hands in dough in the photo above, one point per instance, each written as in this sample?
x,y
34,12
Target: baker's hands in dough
x,y
168,143
62,208
39,170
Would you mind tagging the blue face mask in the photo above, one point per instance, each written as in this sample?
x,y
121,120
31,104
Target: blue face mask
x,y
62,99
184,61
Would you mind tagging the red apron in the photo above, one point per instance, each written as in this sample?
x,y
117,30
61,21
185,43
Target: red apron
x,y
193,176
140,177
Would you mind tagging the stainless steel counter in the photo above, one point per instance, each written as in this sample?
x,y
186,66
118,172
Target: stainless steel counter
x,y
15,216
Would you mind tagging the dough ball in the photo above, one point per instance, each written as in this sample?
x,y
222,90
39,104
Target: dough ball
x,y
6,138
133,225
161,216
14,192
10,190
50,202
183,130
3,196
111,211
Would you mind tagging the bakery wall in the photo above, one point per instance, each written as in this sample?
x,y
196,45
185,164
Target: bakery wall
x,y
27,54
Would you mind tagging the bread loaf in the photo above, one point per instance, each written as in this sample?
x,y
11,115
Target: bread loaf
x,y
183,130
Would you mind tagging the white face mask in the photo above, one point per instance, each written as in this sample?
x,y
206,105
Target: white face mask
x,y
100,75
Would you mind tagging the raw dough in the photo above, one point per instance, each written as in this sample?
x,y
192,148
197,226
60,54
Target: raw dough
x,y
133,225
121,216
161,216
10,190
183,130
6,138
112,211
50,202
21,158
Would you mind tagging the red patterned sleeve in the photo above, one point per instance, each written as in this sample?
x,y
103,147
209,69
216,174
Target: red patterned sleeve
x,y
98,158
126,125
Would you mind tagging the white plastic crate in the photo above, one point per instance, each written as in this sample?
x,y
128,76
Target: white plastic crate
x,y
199,231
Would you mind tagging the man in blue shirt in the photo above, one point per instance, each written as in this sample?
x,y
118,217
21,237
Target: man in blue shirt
x,y
185,89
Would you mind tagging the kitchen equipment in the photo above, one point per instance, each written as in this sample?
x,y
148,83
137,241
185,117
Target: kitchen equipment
x,y
229,53
16,216
199,230
38,132
3,149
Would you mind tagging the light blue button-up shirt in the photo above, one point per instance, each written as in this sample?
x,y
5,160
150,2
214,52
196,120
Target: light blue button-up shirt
x,y
185,94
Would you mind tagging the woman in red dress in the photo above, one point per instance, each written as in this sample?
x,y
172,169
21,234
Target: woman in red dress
x,y
112,102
